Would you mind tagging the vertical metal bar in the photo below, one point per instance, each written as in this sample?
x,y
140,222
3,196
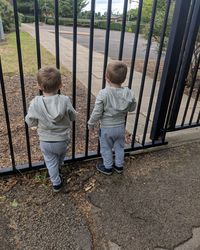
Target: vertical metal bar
x,y
22,78
170,66
191,90
179,64
90,72
7,117
57,34
162,37
144,70
198,118
135,43
74,73
123,30
194,106
106,42
190,43
37,34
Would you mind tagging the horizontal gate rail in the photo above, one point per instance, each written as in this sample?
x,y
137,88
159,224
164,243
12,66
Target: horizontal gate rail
x,y
91,155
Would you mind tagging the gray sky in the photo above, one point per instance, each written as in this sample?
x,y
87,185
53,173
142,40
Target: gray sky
x,y
101,5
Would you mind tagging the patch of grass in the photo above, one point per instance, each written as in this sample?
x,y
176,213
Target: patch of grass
x,y
9,57
40,177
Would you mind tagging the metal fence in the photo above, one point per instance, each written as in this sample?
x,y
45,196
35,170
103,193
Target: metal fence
x,y
162,105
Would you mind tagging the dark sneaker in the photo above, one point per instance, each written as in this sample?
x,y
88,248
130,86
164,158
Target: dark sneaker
x,y
57,188
119,170
101,168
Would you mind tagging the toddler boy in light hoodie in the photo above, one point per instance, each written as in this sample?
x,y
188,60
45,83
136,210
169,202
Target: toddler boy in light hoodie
x,y
111,106
52,114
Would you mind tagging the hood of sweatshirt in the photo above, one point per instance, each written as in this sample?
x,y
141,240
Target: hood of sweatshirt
x,y
119,98
52,108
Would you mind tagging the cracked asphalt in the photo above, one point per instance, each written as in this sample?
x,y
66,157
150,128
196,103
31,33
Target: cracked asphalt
x,y
154,204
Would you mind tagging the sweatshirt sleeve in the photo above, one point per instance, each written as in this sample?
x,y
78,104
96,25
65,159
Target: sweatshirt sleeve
x,y
71,111
132,105
97,111
31,118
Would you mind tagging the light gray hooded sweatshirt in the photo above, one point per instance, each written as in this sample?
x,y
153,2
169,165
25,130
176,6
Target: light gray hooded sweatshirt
x,y
111,106
52,115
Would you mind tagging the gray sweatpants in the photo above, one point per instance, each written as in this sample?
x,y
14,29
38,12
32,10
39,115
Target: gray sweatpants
x,y
112,139
54,154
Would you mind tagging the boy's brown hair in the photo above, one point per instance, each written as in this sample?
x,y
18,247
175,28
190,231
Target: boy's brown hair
x,y
116,72
49,79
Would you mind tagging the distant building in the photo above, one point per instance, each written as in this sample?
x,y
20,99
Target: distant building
x,y
116,19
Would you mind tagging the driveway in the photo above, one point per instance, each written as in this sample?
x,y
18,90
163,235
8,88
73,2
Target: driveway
x,y
99,41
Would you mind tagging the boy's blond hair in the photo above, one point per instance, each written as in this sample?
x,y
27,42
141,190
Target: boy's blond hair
x,y
49,79
116,72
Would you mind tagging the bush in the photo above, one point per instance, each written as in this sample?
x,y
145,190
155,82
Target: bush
x,y
6,13
130,27
50,21
28,19
99,24
68,22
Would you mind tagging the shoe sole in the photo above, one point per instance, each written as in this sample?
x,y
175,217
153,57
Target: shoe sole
x,y
118,171
56,190
103,172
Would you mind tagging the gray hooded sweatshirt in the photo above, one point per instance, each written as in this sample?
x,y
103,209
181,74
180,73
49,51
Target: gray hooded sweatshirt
x,y
111,106
52,115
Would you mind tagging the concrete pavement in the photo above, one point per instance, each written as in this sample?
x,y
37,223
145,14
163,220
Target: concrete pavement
x,y
153,205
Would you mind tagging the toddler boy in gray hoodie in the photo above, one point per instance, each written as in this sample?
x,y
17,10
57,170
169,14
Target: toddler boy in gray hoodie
x,y
111,106
52,114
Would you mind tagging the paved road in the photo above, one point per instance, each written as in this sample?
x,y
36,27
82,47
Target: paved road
x,y
99,42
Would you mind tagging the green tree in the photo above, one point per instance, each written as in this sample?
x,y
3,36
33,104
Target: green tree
x,y
46,7
85,14
6,13
66,7
132,14
159,17
26,7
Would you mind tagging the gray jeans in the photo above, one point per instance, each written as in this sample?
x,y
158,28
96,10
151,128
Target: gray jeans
x,y
54,154
112,139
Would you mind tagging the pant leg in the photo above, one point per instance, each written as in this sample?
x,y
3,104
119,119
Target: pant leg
x,y
119,146
61,158
106,145
52,153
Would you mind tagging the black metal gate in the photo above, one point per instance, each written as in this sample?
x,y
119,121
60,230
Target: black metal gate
x,y
156,114
183,40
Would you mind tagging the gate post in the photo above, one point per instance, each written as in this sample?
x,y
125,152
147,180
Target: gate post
x,y
170,65
187,57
